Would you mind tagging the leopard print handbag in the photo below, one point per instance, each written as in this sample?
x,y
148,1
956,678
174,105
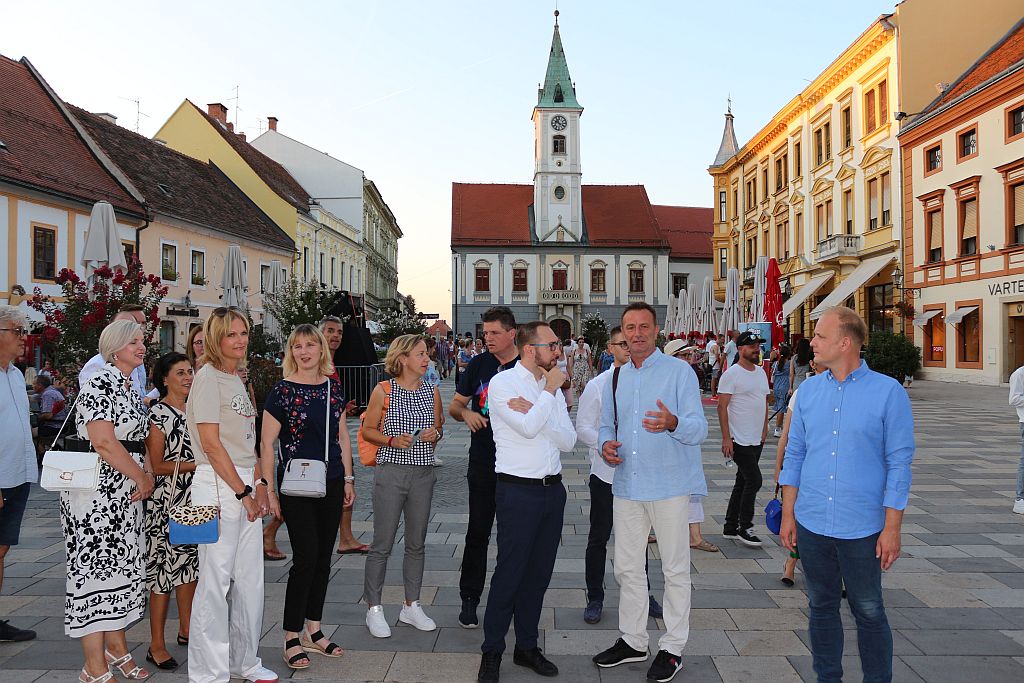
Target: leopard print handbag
x,y
192,524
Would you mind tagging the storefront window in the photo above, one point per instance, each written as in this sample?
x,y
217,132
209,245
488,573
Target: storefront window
x,y
969,338
880,310
935,339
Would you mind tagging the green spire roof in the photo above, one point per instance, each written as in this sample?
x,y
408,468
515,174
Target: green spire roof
x,y
558,91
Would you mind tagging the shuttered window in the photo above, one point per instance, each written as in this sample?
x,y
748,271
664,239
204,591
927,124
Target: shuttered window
x,y
1018,213
935,236
969,227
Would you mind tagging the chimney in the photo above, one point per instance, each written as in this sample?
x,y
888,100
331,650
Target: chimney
x,y
272,123
231,127
242,135
109,118
218,111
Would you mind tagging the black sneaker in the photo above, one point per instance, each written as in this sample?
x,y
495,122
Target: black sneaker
x,y
745,537
467,617
490,666
665,666
592,613
13,634
619,653
730,534
534,659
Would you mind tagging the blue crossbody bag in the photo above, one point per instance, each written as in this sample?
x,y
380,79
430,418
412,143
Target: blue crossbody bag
x,y
193,524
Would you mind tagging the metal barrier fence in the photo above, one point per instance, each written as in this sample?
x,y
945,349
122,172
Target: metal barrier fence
x,y
358,381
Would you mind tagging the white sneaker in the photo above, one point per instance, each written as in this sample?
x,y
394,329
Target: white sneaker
x,y
377,623
778,432
1018,506
261,674
415,616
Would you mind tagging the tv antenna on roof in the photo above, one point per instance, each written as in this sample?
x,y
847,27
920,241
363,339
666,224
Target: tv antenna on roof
x,y
237,108
138,111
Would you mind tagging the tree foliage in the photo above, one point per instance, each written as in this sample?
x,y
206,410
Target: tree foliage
x,y
298,302
892,354
595,329
394,324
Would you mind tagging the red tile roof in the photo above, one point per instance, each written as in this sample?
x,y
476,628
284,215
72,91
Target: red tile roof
x,y
439,327
272,173
1003,55
179,186
687,228
43,151
497,214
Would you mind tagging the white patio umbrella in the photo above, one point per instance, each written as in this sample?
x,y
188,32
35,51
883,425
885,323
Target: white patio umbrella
x,y
730,319
691,309
233,281
706,307
102,242
670,316
271,326
680,320
757,303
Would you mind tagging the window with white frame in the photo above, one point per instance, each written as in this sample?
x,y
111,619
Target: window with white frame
x,y
169,262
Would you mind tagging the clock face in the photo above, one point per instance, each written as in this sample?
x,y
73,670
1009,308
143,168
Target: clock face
x,y
559,122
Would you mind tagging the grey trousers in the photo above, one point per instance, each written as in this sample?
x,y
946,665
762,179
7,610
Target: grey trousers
x,y
399,490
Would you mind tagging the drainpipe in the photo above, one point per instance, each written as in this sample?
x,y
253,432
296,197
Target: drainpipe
x,y
138,246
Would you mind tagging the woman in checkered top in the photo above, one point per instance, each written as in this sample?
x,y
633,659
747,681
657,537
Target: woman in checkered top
x,y
403,484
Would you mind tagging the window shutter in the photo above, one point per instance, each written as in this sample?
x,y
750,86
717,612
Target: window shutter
x,y
886,192
970,218
935,230
883,102
1018,204
869,107
873,198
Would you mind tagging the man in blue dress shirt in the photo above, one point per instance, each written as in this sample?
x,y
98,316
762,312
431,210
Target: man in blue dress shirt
x,y
846,481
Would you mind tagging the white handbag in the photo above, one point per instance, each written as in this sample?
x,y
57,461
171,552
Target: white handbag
x,y
306,478
70,470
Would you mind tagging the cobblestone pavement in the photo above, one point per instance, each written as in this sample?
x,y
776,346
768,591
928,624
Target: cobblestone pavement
x,y
955,599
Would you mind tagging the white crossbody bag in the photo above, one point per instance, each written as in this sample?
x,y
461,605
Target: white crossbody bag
x,y
307,478
70,470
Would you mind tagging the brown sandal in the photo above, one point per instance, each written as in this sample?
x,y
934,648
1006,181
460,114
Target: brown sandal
x,y
706,546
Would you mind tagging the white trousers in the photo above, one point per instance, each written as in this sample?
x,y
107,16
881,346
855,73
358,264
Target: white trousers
x,y
696,510
227,611
632,521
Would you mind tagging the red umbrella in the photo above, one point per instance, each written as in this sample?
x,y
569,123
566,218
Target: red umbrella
x,y
773,302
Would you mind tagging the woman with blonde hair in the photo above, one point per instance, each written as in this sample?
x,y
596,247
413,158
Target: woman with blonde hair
x,y
106,587
306,411
228,604
403,485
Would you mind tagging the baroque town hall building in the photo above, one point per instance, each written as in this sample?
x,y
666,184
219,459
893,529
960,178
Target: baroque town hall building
x,y
558,249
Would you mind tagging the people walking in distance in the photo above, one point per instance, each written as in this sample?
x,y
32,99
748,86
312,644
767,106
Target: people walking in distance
x,y
228,605
800,367
716,350
462,358
306,411
1017,401
470,405
743,415
403,485
652,425
582,365
18,464
846,480
103,528
781,372
169,568
588,427
730,351
531,427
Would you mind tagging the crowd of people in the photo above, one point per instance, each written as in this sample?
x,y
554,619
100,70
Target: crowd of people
x,y
196,441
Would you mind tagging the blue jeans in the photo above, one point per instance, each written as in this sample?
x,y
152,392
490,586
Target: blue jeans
x,y
830,564
1020,468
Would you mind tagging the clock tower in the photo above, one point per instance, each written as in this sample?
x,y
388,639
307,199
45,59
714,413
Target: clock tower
x,y
557,177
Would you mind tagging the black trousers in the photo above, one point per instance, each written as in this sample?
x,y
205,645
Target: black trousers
x,y
740,513
529,531
601,502
312,529
481,479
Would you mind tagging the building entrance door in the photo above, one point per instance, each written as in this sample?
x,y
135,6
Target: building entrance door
x,y
563,329
1015,353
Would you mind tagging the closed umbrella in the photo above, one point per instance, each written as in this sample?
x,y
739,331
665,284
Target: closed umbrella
x,y
681,326
707,305
731,312
233,282
757,303
773,302
102,242
670,316
271,326
691,309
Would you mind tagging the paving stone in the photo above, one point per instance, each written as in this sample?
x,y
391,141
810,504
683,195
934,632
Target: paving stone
x,y
756,669
1000,597
960,642
962,619
765,643
429,667
958,669
355,665
901,673
771,619
580,641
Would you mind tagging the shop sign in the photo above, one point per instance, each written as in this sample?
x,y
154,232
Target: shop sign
x,y
1006,287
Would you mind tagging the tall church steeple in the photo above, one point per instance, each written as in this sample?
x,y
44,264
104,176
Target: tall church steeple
x,y
729,147
557,177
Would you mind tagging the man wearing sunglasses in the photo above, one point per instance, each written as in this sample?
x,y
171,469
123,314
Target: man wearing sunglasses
x,y
17,454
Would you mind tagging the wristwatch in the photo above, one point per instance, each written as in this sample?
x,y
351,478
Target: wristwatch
x,y
247,491
262,482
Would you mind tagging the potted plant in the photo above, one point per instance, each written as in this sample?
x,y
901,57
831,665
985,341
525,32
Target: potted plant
x,y
894,355
199,280
169,274
905,309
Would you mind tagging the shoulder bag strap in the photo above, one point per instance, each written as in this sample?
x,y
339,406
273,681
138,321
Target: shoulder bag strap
x,y
386,388
71,411
327,436
615,404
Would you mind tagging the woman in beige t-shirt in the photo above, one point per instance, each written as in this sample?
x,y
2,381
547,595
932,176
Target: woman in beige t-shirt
x,y
222,425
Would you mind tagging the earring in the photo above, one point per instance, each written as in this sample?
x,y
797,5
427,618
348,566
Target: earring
x,y
113,357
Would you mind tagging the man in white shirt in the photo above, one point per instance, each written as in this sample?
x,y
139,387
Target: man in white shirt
x,y
531,426
1017,401
136,314
730,351
715,351
743,413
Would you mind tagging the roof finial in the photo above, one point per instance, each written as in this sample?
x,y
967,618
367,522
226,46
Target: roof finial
x,y
730,103
556,14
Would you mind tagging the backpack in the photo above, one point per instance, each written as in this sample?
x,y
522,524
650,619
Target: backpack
x,y
367,450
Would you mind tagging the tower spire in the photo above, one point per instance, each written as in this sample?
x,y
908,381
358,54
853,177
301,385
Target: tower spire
x,y
558,90
729,146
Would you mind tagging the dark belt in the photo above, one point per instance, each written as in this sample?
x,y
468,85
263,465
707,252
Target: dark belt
x,y
549,480
134,446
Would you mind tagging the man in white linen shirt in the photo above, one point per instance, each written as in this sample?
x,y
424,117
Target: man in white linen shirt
x,y
136,314
1017,401
531,426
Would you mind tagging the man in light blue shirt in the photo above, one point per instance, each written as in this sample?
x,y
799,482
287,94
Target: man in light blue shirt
x,y
18,467
652,426
846,481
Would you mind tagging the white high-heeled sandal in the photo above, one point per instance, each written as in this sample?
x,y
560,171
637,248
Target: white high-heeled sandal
x,y
84,677
136,674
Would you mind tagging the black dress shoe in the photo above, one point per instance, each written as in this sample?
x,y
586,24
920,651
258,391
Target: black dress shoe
x,y
169,664
534,659
490,665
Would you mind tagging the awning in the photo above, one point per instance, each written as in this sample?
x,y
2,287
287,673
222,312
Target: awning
x,y
854,281
922,319
959,314
801,295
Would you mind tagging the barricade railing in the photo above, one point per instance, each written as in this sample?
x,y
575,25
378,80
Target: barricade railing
x,y
358,381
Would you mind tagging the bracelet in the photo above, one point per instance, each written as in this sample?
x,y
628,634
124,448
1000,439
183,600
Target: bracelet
x,y
349,480
262,482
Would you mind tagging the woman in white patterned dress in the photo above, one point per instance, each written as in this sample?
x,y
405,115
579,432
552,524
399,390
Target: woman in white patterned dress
x,y
103,528
169,568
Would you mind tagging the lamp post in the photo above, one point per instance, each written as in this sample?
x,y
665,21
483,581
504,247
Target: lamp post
x,y
906,296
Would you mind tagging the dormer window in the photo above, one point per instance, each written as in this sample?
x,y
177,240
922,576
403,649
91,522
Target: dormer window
x,y
558,93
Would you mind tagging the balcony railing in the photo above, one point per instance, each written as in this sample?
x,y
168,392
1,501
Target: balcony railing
x,y
561,296
748,273
839,245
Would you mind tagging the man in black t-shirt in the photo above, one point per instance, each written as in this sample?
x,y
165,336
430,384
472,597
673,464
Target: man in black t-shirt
x,y
470,406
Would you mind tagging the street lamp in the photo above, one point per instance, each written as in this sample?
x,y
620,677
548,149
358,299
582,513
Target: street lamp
x,y
906,297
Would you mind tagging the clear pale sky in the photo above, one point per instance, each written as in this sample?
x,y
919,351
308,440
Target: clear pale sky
x,y
420,94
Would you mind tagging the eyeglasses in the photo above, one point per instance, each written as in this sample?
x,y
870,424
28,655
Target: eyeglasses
x,y
621,344
18,331
550,347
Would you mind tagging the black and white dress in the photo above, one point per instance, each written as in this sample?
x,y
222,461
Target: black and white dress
x,y
103,528
408,411
168,566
